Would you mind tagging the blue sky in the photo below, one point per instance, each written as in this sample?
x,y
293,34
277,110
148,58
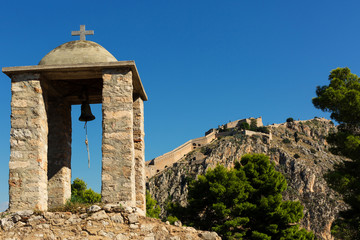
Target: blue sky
x,y
202,63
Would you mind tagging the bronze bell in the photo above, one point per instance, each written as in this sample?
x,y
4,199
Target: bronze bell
x,y
86,114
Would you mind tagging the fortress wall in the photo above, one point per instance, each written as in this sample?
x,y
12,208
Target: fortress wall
x,y
234,123
175,155
252,133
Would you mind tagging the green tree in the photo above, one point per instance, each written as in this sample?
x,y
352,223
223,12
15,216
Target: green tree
x,y
342,99
290,119
253,125
152,209
244,126
244,202
80,193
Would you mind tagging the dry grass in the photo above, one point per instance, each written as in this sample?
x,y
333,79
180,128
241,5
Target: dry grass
x,y
74,207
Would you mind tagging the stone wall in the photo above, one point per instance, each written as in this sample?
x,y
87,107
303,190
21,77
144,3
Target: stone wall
x,y
158,164
109,222
28,144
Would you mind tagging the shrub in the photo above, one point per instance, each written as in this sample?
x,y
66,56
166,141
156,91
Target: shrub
x,y
244,126
273,150
296,136
312,150
206,150
224,128
253,125
286,140
263,130
290,119
296,156
152,209
172,219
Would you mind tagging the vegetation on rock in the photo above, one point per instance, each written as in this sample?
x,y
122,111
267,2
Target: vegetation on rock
x,y
244,126
286,140
342,99
152,209
243,203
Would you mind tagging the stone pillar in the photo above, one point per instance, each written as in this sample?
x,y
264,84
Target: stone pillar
x,y
139,134
28,144
118,167
59,153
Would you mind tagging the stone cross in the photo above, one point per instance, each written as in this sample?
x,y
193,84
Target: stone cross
x,y
82,33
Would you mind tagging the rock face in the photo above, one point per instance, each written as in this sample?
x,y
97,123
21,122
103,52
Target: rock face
x,y
109,222
299,151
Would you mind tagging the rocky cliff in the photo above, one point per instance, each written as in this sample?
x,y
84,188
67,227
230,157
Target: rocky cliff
x,y
299,151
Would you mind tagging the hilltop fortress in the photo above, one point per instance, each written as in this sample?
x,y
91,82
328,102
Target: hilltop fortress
x,y
160,163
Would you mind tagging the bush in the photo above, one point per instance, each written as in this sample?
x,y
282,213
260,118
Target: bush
x,y
263,130
152,209
286,140
253,125
172,219
80,193
224,128
296,136
312,150
296,156
273,150
290,119
244,126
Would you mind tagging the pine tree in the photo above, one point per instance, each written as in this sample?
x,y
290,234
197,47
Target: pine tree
x,y
80,193
342,99
244,202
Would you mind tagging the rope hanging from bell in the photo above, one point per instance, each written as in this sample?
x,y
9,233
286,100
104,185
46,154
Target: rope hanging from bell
x,y
87,144
86,116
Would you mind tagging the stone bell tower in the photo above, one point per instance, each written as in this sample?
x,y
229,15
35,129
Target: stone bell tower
x,y
40,137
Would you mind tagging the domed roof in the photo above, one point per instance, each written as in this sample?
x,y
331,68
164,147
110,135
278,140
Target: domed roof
x,y
76,52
